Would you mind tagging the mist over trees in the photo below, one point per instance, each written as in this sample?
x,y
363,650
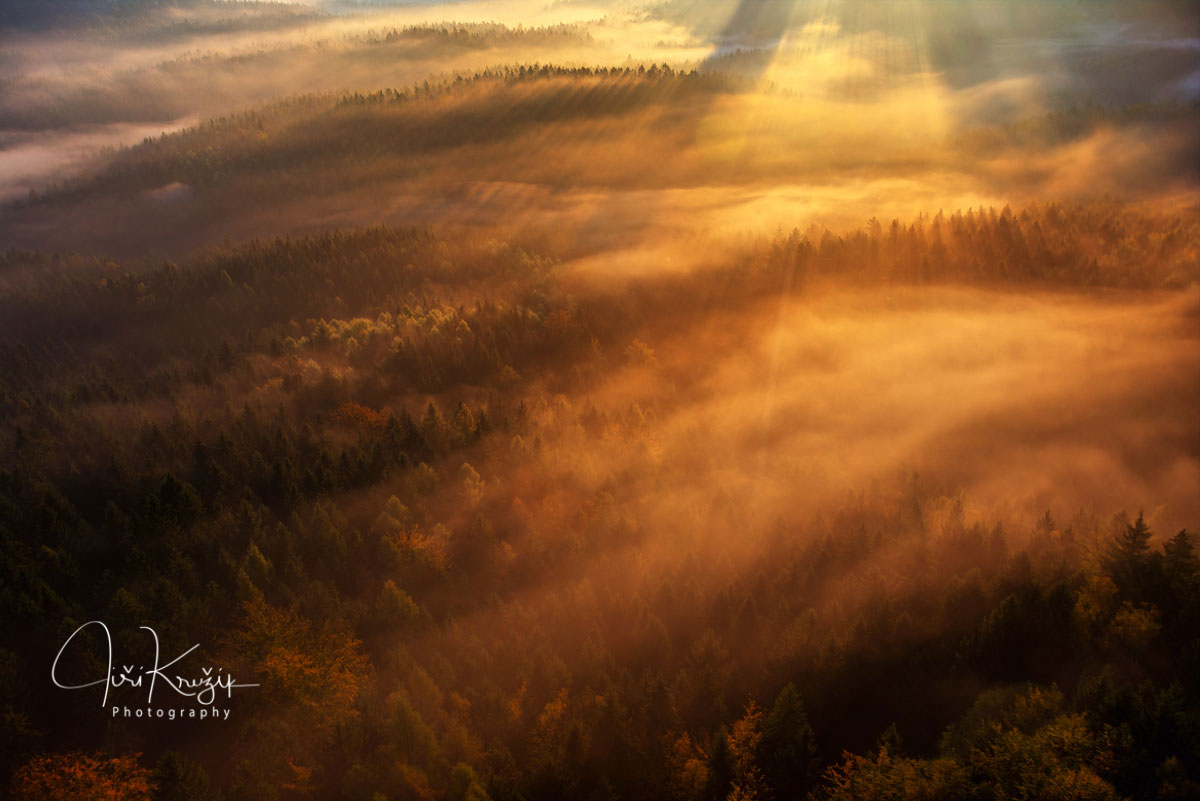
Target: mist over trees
x,y
380,485
693,401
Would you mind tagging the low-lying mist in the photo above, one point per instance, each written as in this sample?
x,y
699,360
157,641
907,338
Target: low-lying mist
x,y
629,155
813,113
715,401
490,493
1021,401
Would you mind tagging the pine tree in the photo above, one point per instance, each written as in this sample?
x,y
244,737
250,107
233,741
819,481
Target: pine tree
x,y
789,750
1180,562
1131,564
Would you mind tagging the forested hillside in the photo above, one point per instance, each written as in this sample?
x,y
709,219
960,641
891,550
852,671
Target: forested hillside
x,y
748,400
384,485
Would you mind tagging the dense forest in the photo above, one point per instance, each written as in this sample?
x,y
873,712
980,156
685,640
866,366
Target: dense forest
x,y
377,485
748,400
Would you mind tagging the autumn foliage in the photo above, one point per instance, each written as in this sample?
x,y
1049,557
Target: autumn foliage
x,y
82,777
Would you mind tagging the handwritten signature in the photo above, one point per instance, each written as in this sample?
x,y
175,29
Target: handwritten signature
x,y
203,688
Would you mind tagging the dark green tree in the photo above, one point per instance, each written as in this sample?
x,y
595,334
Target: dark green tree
x,y
789,749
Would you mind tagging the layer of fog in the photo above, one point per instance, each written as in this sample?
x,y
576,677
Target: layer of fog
x,y
952,65
36,161
1012,405
748,430
1022,401
668,164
